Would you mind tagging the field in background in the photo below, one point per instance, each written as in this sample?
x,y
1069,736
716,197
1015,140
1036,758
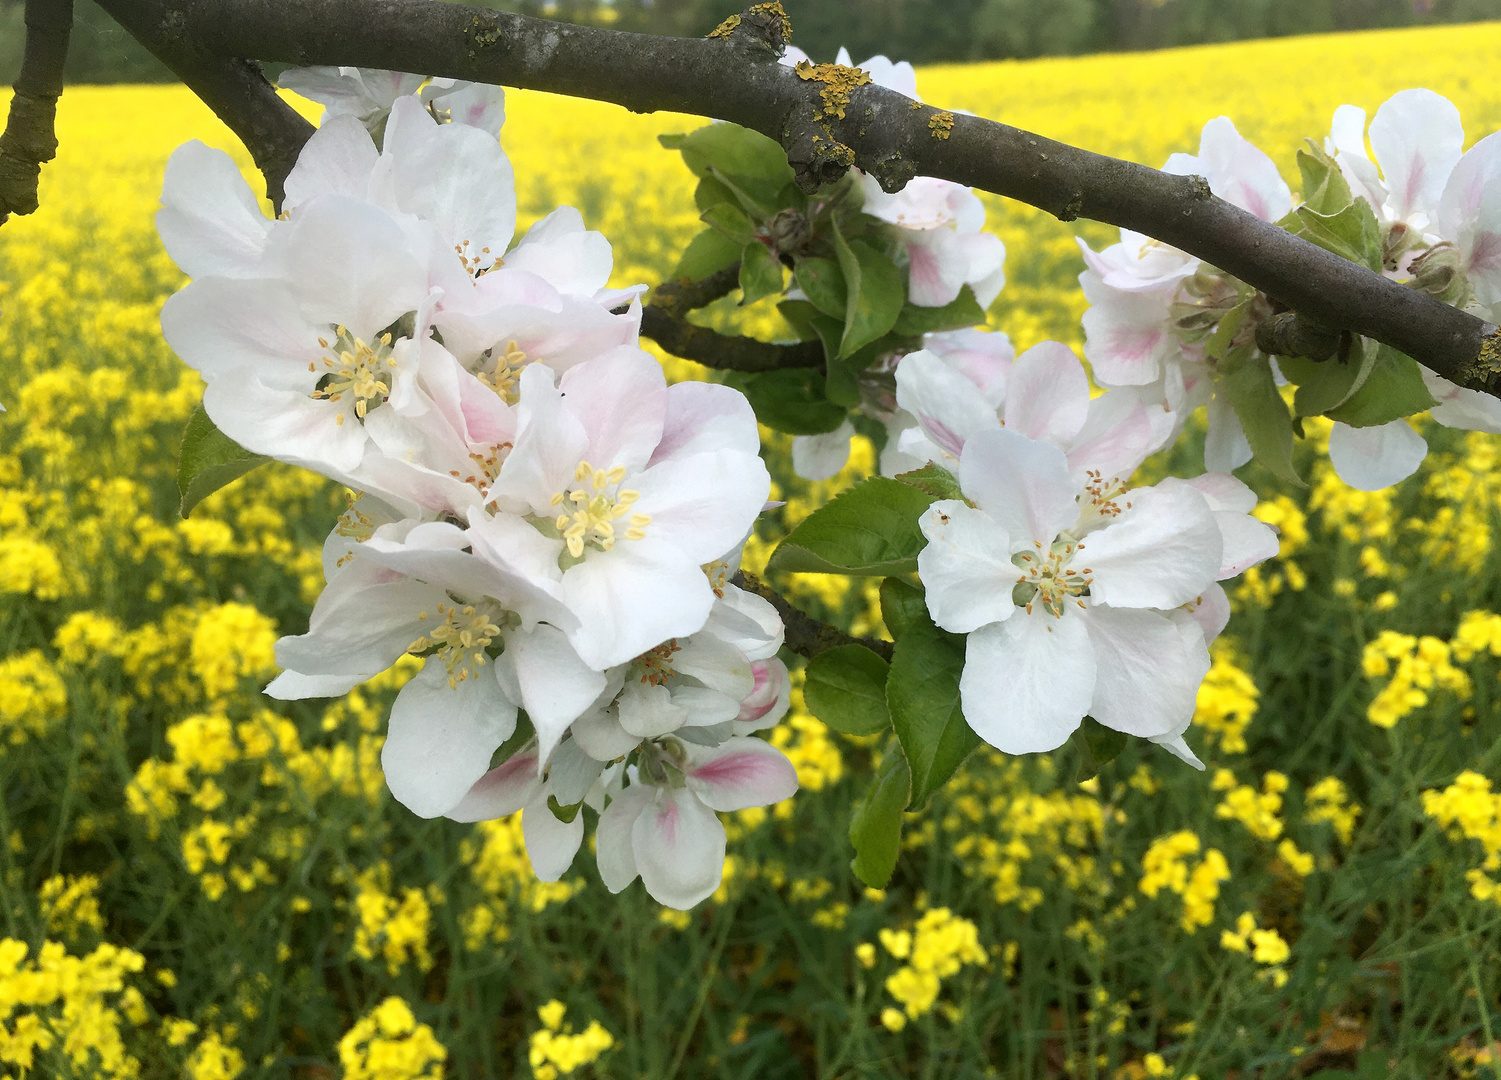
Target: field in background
x,y
224,888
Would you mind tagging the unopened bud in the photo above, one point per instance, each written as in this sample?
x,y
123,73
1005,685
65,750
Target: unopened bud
x,y
1439,273
789,231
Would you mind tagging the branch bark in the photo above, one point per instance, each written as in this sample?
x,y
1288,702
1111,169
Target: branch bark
x,y
827,126
806,635
30,137
725,352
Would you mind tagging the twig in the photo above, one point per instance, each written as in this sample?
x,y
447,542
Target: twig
x,y
726,352
30,136
677,298
806,635
734,77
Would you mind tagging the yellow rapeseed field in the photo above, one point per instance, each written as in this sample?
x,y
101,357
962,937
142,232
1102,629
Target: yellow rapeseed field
x,y
198,882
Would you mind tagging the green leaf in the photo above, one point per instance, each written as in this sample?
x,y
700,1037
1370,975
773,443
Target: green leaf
x,y
707,253
903,605
841,378
923,696
914,321
565,814
208,460
799,315
1252,393
876,824
760,273
1393,389
935,480
845,687
822,283
874,293
1326,384
1352,234
1325,189
868,531
754,198
792,400
731,222
732,149
710,192
1098,747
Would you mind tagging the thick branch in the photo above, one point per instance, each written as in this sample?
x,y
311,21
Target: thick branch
x,y
234,88
806,635
733,77
30,136
726,352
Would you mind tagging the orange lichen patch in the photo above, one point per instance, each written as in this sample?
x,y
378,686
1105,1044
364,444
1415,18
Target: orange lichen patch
x,y
940,124
838,81
724,29
835,151
775,10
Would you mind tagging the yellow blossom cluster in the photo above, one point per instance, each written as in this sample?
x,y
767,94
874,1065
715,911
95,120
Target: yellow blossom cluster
x,y
392,929
1469,809
388,1043
1257,811
70,905
231,642
1166,866
1227,699
69,1007
32,696
556,1051
936,947
1266,946
1260,584
1327,800
1421,665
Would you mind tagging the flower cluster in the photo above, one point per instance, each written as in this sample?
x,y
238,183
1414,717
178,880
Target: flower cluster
x,y
539,515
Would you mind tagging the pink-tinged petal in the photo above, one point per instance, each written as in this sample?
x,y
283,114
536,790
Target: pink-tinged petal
x,y
922,204
1372,458
613,847
621,401
679,845
210,222
984,357
1126,335
1150,668
765,705
1467,410
966,567
1163,549
338,159
1346,142
550,844
1225,446
632,598
1212,612
938,266
294,686
702,504
947,405
478,105
702,417
1118,434
1470,216
1139,264
1028,681
818,457
561,251
1048,397
740,773
501,791
440,739
986,270
556,686
1024,485
550,443
1241,174
1417,137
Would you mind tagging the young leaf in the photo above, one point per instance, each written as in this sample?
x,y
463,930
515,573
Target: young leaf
x,y
868,531
710,192
822,283
707,253
874,293
792,400
922,693
845,687
731,221
208,460
1326,384
914,321
1394,389
876,824
1253,394
799,315
760,273
1098,747
1352,234
903,605
732,149
935,480
1325,189
753,197
565,814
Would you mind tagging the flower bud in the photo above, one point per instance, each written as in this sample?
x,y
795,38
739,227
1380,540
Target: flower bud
x,y
789,231
1438,272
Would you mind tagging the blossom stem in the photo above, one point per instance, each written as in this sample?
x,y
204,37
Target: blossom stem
x,y
806,635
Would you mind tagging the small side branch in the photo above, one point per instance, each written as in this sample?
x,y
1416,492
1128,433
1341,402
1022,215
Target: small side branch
x,y
806,635
725,352
1290,334
30,137
677,298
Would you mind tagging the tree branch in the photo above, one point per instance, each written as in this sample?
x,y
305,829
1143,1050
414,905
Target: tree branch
x,y
234,88
677,298
806,635
826,124
725,352
30,136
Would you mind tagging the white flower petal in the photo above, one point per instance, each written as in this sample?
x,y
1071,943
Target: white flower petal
x,y
613,847
1162,551
550,844
818,457
947,405
679,845
555,685
1150,665
1225,447
339,158
1048,395
966,567
1417,137
210,222
1024,485
1028,681
632,598
621,401
1372,458
702,417
559,250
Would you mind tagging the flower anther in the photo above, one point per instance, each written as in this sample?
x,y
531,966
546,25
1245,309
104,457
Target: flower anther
x,y
356,369
656,664
1048,579
460,641
598,502
506,377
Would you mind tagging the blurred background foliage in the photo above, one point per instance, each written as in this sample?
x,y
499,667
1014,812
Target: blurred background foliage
x,y
923,31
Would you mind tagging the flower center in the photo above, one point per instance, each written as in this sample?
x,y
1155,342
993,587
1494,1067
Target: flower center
x,y
507,374
1049,579
487,467
718,574
656,665
597,502
474,261
460,641
1099,503
354,370
355,524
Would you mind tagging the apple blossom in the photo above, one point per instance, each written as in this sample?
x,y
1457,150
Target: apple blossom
x,y
368,95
